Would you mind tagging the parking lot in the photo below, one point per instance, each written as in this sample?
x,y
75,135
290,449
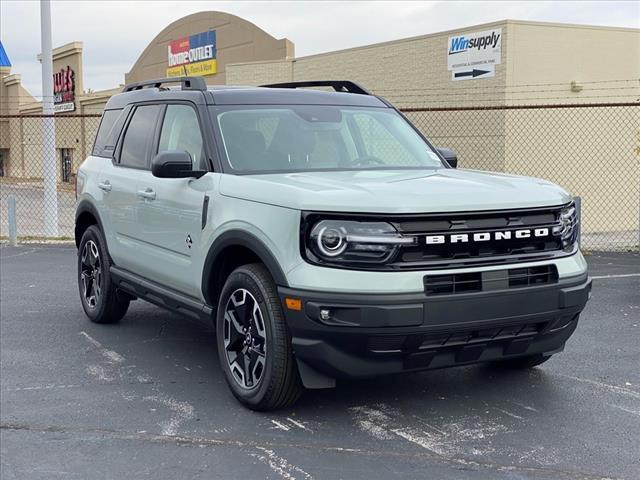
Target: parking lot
x,y
146,398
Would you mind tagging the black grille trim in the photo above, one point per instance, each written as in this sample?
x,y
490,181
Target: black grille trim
x,y
451,284
531,276
460,283
507,334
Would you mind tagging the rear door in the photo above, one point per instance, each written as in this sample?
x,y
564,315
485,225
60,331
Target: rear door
x,y
170,219
119,180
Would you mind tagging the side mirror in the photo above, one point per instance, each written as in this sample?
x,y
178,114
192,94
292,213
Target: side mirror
x,y
450,156
174,164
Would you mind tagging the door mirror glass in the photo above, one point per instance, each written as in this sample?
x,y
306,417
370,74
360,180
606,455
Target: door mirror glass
x,y
450,156
174,164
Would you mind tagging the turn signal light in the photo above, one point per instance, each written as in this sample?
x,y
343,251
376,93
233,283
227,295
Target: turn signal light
x,y
293,304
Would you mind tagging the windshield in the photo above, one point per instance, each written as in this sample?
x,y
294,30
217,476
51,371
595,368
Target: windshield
x,y
319,137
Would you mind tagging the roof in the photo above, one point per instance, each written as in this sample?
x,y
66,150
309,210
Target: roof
x,y
224,95
4,58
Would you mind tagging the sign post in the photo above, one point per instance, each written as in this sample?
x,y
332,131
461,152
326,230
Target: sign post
x,y
50,197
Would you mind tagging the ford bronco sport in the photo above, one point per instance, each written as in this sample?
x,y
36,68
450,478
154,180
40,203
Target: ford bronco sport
x,y
322,235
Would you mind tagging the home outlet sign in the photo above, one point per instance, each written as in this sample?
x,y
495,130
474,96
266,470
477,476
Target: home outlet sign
x,y
474,55
193,55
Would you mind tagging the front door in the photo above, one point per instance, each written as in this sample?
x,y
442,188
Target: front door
x,y
119,181
170,212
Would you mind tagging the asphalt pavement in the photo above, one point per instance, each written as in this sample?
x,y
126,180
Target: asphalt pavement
x,y
147,399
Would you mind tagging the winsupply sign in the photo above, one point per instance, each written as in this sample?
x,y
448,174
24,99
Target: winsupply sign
x,y
474,55
193,55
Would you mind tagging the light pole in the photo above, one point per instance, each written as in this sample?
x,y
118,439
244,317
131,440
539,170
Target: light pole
x,y
50,197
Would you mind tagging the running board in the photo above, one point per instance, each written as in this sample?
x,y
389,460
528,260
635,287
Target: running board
x,y
162,296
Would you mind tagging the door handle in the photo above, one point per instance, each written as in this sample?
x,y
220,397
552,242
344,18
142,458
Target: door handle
x,y
147,194
105,186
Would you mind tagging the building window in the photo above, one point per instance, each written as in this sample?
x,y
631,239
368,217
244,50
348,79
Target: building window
x,y
66,164
4,159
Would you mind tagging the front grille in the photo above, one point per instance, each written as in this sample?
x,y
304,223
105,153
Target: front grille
x,y
450,284
418,342
456,283
481,238
526,277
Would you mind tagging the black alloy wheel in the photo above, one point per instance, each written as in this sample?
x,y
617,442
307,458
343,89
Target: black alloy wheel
x,y
254,342
91,274
101,300
245,338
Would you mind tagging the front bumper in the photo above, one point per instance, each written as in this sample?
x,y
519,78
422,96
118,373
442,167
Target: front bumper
x,y
366,335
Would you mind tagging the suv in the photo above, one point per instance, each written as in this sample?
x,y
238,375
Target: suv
x,y
322,235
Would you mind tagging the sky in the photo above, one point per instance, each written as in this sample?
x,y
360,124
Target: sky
x,y
115,33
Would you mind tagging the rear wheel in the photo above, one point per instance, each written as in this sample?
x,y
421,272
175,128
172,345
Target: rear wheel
x,y
101,302
523,362
254,344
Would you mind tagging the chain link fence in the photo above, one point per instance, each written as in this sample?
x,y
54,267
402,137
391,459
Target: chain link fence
x,y
592,150
22,168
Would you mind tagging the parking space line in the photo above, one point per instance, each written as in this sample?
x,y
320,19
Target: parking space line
x,y
606,386
621,275
280,426
628,410
20,254
280,465
113,357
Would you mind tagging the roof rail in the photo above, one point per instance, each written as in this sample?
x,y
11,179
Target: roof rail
x,y
186,83
338,85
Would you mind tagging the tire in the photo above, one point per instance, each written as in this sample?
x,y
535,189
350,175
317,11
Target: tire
x,y
519,363
101,302
254,343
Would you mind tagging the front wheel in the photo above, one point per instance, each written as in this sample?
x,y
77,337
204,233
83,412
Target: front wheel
x,y
254,344
100,299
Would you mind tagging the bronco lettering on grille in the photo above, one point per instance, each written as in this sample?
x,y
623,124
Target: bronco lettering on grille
x,y
486,236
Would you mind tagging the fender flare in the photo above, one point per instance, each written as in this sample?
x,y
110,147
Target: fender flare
x,y
243,239
86,206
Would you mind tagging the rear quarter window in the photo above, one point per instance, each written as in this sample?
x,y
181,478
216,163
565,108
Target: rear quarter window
x,y
108,132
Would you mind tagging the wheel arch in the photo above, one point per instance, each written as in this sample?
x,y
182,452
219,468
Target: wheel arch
x,y
86,215
230,250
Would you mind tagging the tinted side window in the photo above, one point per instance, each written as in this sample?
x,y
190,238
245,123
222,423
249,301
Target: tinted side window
x,y
107,136
137,138
181,131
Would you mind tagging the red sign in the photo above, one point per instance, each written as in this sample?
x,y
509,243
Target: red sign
x,y
64,86
179,52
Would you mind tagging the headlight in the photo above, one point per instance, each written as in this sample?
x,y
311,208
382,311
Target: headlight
x,y
567,227
352,242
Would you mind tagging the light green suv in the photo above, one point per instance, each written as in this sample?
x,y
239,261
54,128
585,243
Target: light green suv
x,y
322,235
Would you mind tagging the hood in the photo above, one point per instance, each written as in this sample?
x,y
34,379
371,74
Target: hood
x,y
395,191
